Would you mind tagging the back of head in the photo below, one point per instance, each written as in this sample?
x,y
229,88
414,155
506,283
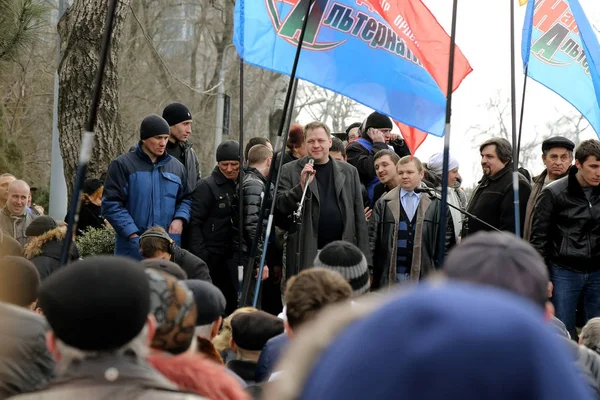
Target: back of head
x,y
155,240
9,246
258,154
174,308
312,290
210,301
97,304
347,260
457,342
251,331
19,281
501,260
163,265
295,136
221,341
590,335
256,140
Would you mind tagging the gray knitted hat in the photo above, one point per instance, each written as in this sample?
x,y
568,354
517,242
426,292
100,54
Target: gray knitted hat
x,y
349,261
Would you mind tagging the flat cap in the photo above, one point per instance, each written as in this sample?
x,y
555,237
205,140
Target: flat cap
x,y
557,141
251,331
209,299
97,304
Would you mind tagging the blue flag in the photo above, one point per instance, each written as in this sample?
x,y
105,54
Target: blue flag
x,y
385,58
561,51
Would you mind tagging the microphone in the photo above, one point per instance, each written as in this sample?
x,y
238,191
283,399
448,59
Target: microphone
x,y
311,161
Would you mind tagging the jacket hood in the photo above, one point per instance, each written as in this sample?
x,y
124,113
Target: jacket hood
x,y
37,246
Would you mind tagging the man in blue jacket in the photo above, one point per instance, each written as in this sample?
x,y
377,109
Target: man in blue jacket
x,y
145,188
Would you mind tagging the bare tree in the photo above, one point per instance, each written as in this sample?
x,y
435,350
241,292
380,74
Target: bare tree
x,y
81,31
326,106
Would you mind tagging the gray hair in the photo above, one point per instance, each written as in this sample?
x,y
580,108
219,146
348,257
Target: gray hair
x,y
70,354
590,335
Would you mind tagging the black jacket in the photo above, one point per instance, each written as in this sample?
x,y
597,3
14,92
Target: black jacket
x,y
90,216
45,250
194,267
210,229
253,187
565,228
493,202
362,158
383,233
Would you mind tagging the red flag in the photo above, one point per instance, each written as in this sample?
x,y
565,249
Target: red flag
x,y
432,49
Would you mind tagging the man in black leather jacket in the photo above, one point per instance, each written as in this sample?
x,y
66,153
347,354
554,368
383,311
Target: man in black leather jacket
x,y
253,187
404,242
566,232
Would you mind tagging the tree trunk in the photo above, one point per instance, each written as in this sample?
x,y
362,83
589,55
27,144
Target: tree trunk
x,y
81,30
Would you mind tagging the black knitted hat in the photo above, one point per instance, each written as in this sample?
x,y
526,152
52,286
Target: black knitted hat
x,y
228,151
97,304
176,113
349,261
153,125
376,120
40,225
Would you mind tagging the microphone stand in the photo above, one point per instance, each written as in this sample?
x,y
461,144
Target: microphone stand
x,y
434,194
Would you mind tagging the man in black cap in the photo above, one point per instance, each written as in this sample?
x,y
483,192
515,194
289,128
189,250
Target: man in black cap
x,y
100,332
565,231
210,230
179,118
557,156
249,333
210,304
145,188
375,134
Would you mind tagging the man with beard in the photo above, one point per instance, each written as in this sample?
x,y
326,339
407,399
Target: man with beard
x,y
557,155
493,198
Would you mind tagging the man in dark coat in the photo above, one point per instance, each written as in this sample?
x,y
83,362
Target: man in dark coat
x,y
156,243
333,208
210,230
376,134
404,230
253,188
557,155
493,198
180,122
565,231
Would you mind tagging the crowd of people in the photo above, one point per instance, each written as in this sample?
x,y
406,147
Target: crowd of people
x,y
354,300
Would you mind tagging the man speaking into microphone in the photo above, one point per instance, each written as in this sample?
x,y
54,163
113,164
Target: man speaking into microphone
x,y
332,208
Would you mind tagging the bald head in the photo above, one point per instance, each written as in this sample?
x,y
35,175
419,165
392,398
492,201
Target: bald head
x,y
18,193
5,180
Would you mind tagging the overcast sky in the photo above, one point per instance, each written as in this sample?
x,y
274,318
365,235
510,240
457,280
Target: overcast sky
x,y
483,34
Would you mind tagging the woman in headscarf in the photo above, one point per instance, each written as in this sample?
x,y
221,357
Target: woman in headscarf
x,y
456,196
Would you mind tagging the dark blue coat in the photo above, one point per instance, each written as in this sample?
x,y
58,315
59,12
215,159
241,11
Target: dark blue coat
x,y
139,194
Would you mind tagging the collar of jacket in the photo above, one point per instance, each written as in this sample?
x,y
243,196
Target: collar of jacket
x,y
507,168
542,177
220,179
160,161
129,367
34,247
253,171
574,187
6,212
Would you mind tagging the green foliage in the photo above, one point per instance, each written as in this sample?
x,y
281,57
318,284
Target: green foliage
x,y
96,242
11,156
41,197
20,24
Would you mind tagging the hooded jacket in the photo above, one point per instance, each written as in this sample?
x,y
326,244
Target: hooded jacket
x,y
194,266
140,194
25,363
45,250
15,226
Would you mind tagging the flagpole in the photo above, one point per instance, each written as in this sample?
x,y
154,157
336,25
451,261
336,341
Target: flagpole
x,y
240,183
513,105
281,138
522,114
87,140
445,168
